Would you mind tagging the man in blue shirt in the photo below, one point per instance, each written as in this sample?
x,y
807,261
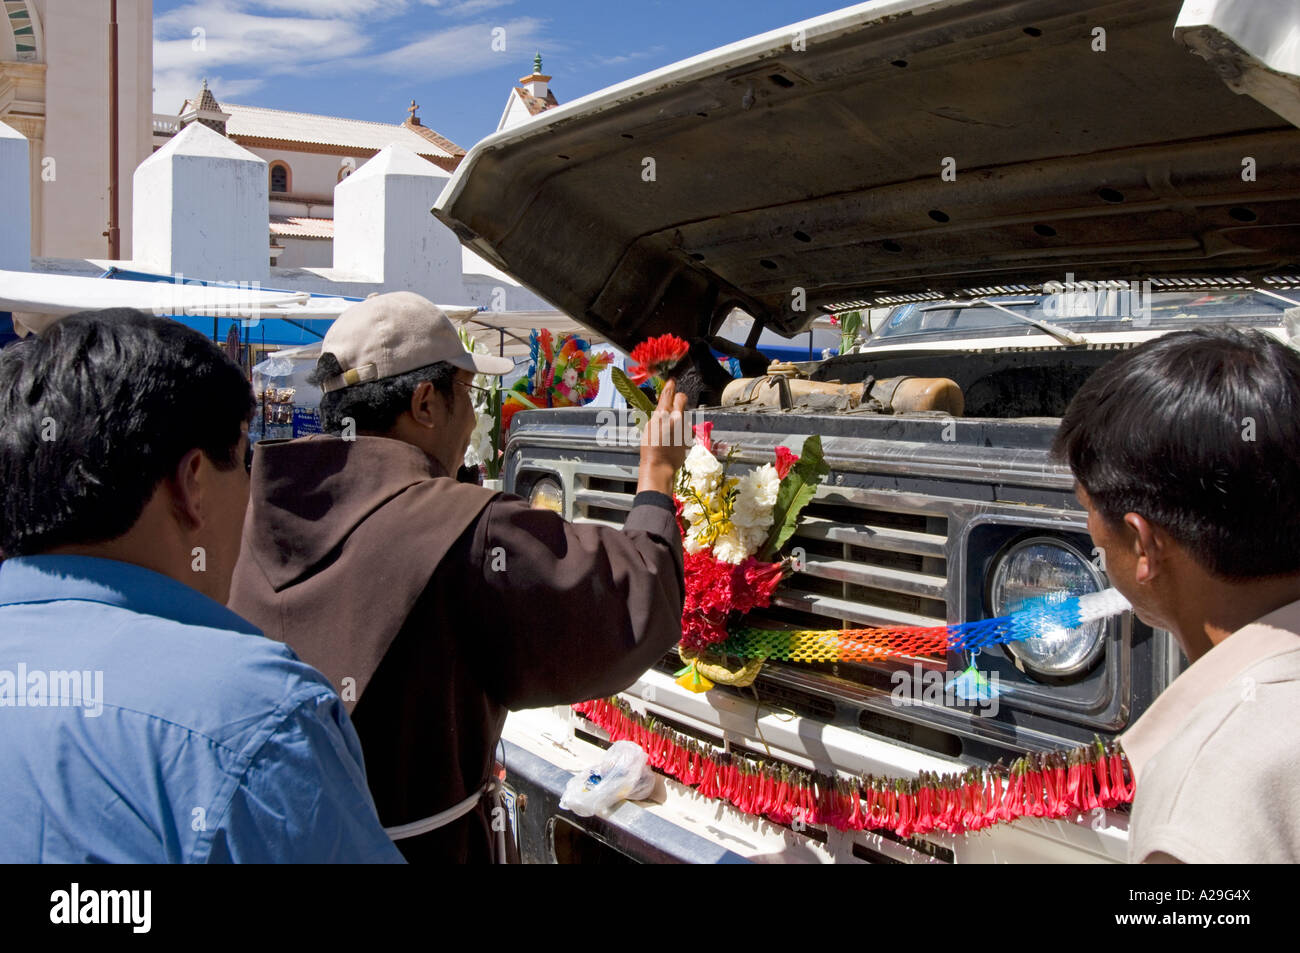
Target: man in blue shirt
x,y
141,720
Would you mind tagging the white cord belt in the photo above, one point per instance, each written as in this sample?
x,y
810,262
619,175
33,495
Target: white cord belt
x,y
415,828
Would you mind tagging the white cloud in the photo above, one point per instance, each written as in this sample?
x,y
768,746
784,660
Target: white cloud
x,y
336,8
205,37
627,57
241,40
172,87
462,49
465,8
230,36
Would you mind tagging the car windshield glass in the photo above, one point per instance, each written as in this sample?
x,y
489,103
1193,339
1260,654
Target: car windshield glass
x,y
1088,311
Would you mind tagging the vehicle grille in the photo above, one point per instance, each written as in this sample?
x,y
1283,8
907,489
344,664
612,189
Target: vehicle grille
x,y
863,564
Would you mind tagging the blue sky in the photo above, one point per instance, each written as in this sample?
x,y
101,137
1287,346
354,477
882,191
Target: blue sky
x,y
366,59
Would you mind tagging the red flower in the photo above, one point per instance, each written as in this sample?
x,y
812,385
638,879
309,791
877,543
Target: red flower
x,y
715,589
784,461
655,357
835,321
704,434
758,580
708,598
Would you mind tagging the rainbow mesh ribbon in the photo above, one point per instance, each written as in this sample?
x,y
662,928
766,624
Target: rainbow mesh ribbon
x,y
1037,619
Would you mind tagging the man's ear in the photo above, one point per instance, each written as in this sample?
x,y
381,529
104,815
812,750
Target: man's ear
x,y
424,410
184,486
1148,546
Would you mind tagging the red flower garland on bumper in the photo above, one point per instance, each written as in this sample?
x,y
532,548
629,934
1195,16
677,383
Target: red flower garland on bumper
x,y
1055,785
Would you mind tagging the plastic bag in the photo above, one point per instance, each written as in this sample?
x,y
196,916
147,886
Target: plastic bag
x,y
623,774
288,405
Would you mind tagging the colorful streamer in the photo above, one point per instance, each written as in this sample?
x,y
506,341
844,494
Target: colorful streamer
x,y
1038,619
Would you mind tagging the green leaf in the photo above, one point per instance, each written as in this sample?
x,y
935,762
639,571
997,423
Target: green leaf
x,y
521,397
850,324
631,393
494,408
796,492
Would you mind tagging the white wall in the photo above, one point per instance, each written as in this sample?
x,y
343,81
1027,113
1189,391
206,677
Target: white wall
x,y
202,209
515,112
74,206
305,253
383,228
313,173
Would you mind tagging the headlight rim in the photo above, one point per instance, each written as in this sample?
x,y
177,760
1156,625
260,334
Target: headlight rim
x,y
545,479
1021,660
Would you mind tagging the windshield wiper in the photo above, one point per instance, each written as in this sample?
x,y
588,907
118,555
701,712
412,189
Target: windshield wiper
x,y
1060,333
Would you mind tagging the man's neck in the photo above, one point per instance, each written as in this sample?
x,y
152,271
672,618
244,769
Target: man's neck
x,y
1215,608
407,432
154,543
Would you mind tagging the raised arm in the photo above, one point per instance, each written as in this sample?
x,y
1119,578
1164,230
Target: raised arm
x,y
581,610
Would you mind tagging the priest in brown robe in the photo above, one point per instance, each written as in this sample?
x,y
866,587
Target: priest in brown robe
x,y
435,607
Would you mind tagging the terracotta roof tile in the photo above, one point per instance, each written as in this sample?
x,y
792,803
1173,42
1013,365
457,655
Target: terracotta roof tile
x,y
257,122
295,226
535,104
441,142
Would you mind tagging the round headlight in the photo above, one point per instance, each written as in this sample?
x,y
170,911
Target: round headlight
x,y
1038,567
546,494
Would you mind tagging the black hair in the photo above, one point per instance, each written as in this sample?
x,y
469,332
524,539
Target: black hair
x,y
1199,432
374,406
96,411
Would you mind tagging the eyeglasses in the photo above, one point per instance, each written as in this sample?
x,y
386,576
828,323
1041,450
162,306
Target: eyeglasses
x,y
473,388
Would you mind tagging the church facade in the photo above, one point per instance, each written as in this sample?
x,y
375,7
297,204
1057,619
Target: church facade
x,y
53,90
307,155
54,66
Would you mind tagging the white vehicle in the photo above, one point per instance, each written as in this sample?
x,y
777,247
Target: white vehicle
x,y
1033,186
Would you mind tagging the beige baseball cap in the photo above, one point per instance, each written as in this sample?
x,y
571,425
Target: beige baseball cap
x,y
390,334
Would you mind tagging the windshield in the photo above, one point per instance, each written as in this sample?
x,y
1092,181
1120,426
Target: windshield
x,y
1127,309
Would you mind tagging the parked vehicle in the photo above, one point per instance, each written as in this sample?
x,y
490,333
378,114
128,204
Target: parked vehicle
x,y
1032,187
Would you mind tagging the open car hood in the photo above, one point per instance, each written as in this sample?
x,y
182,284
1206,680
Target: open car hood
x,y
805,168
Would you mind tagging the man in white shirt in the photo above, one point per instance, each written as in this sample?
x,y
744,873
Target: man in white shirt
x,y
1186,455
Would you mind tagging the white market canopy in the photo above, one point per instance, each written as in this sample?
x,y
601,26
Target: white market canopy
x,y
37,300
505,333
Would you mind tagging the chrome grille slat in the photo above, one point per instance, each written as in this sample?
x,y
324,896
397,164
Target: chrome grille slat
x,y
614,501
858,612
878,577
872,537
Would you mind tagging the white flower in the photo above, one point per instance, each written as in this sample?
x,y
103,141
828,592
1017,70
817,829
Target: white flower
x,y
755,537
755,499
767,484
692,512
692,543
480,397
703,471
731,547
480,441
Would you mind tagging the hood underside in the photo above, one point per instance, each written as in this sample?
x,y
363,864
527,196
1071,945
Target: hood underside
x,y
900,148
